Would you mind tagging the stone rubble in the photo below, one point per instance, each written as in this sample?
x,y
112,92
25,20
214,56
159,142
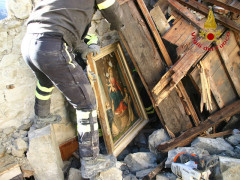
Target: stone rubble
x,y
140,161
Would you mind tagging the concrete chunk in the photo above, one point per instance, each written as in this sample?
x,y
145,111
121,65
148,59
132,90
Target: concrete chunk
x,y
140,161
111,174
166,176
234,139
156,138
74,174
229,168
44,154
213,146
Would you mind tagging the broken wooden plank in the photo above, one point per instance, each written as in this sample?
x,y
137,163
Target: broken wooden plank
x,y
233,7
68,148
160,20
204,10
189,103
220,134
180,69
186,137
155,32
155,171
165,54
187,14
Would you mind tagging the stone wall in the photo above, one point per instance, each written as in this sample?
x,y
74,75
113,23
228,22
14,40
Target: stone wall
x,y
17,82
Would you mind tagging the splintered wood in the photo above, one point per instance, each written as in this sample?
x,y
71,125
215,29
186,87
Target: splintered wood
x,y
206,90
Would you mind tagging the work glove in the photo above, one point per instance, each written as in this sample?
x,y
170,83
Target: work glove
x,y
84,51
93,48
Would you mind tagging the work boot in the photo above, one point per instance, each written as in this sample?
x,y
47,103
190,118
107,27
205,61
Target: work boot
x,y
91,167
40,122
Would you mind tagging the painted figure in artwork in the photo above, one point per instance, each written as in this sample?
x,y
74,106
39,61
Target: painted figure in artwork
x,y
120,105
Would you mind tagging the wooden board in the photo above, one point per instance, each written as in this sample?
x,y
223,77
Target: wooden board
x,y
175,117
160,20
180,33
68,148
145,56
9,168
219,82
232,60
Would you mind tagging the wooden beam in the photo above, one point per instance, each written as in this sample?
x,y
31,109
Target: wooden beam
x,y
155,32
233,8
186,13
220,134
204,10
155,171
186,137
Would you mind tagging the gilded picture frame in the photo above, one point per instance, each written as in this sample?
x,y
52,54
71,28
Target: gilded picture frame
x,y
120,109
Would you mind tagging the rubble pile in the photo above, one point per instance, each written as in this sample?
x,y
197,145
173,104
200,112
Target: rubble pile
x,y
15,141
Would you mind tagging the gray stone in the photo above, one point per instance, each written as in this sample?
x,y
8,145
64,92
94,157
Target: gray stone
x,y
9,130
44,154
111,174
16,135
156,138
74,174
229,168
140,161
130,177
191,150
23,133
213,146
102,27
16,152
142,173
27,121
234,139
166,176
19,8
2,151
26,139
21,144
25,127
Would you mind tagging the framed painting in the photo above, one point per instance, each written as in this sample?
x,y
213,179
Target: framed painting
x,y
120,108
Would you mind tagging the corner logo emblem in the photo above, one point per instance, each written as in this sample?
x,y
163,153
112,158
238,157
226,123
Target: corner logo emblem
x,y
210,33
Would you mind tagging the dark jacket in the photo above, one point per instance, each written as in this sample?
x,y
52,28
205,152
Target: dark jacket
x,y
71,18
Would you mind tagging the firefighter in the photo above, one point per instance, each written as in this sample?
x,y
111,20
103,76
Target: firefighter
x,y
56,29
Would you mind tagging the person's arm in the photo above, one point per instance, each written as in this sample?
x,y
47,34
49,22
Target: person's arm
x,y
111,10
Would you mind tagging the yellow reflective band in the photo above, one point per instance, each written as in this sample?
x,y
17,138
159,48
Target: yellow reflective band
x,y
106,4
94,113
151,112
70,62
93,39
86,128
41,97
44,89
149,108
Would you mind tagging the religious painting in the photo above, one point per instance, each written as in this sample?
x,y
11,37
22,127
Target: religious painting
x,y
120,109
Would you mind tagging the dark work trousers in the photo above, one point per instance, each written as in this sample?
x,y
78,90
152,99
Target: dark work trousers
x,y
52,61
